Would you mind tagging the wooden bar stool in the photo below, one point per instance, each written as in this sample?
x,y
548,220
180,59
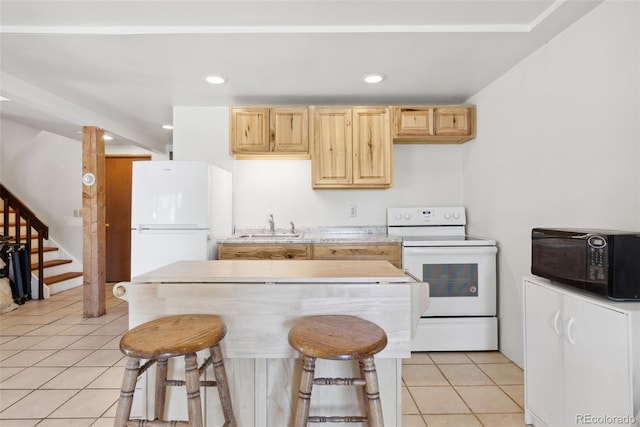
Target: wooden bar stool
x,y
338,337
157,341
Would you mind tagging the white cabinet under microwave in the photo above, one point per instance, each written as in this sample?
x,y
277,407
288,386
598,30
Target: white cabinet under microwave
x,y
582,357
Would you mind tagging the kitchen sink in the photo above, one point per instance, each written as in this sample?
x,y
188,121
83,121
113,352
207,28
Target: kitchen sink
x,y
270,235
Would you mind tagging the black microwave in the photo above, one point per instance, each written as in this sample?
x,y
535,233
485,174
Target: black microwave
x,y
604,262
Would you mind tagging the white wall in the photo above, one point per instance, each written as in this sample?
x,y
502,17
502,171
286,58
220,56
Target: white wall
x,y
44,170
424,174
558,145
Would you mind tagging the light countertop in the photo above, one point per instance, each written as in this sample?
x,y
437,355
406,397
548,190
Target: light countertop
x,y
325,235
275,271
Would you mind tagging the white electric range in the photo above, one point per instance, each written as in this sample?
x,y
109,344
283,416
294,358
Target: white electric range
x,y
461,272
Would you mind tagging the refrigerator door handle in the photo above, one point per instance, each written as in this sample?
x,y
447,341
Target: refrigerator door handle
x,y
151,227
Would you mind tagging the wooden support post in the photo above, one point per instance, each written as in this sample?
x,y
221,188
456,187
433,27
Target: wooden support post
x,y
93,222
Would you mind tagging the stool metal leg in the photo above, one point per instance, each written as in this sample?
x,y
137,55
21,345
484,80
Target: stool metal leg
x,y
372,394
223,386
123,412
304,393
161,388
192,382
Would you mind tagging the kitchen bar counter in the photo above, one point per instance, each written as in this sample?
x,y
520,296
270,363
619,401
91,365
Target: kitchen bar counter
x,y
259,301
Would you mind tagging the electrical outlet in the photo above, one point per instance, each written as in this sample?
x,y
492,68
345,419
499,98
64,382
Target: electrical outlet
x,y
353,211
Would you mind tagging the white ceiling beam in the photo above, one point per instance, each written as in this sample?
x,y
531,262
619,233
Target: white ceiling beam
x,y
277,29
52,105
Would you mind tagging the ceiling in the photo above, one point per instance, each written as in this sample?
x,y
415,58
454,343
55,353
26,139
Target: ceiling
x,y
123,65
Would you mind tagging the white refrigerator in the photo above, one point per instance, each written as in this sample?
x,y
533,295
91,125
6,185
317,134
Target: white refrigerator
x,y
177,209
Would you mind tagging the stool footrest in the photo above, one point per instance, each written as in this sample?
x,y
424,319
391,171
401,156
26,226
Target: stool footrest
x,y
347,419
339,381
149,363
182,383
156,423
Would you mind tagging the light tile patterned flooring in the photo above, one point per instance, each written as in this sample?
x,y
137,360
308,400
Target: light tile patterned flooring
x,y
58,369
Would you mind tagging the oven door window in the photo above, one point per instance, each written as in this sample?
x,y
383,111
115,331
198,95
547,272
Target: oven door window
x,y
451,280
462,280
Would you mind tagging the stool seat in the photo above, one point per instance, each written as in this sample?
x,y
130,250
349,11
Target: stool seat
x,y
337,337
173,336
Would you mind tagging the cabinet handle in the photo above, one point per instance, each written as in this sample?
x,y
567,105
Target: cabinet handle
x,y
556,323
570,329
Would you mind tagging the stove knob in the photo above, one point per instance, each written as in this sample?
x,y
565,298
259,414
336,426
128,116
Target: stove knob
x,y
407,216
398,216
447,215
456,215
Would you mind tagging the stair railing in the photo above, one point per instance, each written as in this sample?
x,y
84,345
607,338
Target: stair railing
x,y
22,212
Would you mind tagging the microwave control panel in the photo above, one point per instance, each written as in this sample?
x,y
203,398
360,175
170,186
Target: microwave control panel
x,y
597,259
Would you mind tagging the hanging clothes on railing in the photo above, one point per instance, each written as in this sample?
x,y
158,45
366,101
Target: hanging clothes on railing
x,y
17,268
6,295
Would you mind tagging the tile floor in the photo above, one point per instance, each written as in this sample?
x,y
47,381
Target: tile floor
x,y
58,369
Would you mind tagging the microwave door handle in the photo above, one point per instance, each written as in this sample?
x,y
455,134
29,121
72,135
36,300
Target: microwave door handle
x,y
580,237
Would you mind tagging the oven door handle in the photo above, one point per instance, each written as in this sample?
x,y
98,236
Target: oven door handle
x,y
448,250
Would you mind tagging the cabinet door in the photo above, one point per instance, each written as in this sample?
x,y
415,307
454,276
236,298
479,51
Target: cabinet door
x,y
577,358
249,130
544,352
372,147
331,164
263,251
413,121
452,121
597,361
289,129
389,252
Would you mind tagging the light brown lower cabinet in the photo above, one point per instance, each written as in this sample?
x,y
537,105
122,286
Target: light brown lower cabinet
x,y
263,251
388,252
328,251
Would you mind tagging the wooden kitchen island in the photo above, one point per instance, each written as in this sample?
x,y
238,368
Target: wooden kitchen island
x,y
259,301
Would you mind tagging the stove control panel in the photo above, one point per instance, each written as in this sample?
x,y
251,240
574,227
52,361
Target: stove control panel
x,y
426,216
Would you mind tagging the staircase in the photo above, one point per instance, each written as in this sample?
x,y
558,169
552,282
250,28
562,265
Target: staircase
x,y
58,270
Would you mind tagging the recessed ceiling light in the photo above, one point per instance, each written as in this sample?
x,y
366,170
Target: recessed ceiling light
x,y
107,137
216,80
169,127
374,78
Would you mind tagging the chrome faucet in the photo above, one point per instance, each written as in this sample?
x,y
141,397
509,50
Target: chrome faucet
x,y
272,224
293,227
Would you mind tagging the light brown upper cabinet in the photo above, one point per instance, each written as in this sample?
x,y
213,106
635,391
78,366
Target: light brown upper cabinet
x,y
434,124
263,132
351,147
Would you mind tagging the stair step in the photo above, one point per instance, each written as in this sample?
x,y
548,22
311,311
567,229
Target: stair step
x,y
44,249
23,237
62,277
51,263
12,222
